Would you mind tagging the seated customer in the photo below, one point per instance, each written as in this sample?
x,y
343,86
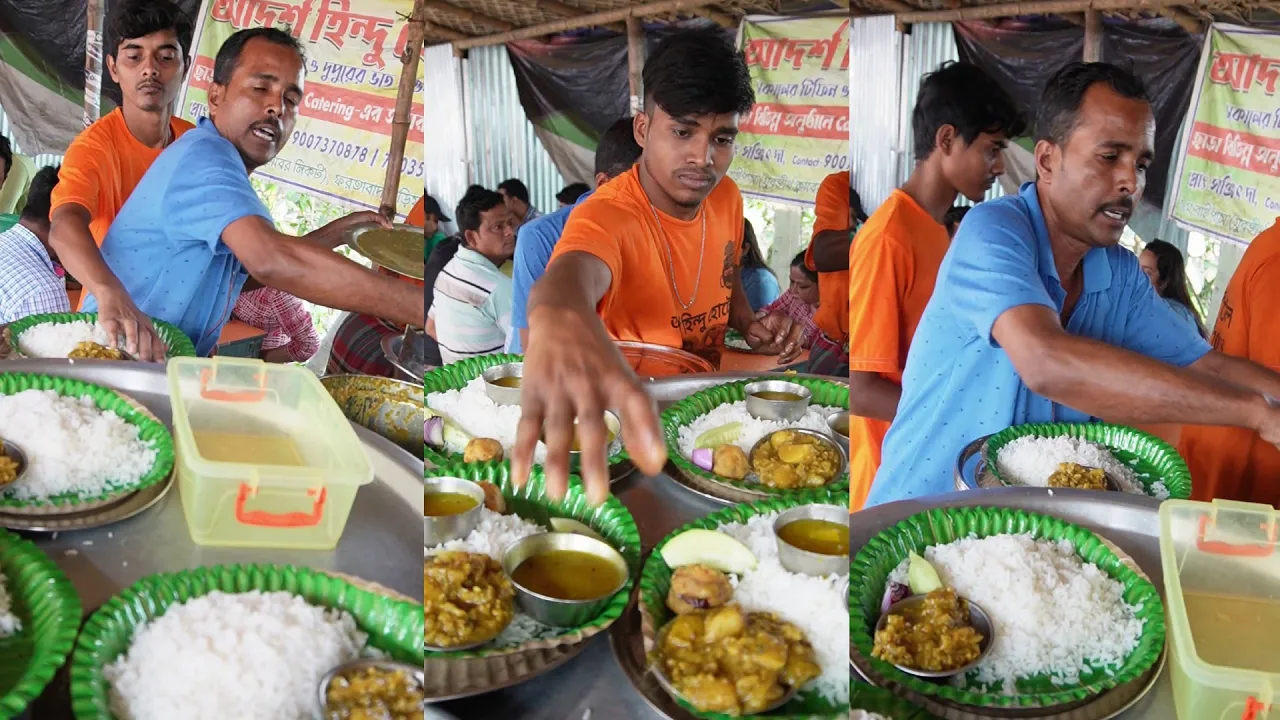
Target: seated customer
x,y
291,334
471,306
800,301
570,194
30,281
758,281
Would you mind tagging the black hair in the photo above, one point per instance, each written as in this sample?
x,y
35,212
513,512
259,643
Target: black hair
x,y
40,193
132,19
751,254
570,193
698,71
618,149
1059,109
515,189
1173,277
855,204
224,66
472,206
953,217
798,262
6,154
965,97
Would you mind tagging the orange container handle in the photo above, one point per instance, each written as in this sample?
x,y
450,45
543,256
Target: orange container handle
x,y
282,520
1251,709
206,376
1217,547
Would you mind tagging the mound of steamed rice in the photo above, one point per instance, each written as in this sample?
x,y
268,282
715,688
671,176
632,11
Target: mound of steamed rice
x,y
481,417
9,623
753,429
1031,460
71,446
1053,613
249,656
814,604
57,340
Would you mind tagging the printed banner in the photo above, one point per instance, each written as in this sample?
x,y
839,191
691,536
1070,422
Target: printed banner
x,y
339,148
1228,181
798,132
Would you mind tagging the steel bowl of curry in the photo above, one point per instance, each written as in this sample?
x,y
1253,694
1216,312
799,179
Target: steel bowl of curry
x,y
502,383
564,579
777,400
371,688
13,463
450,509
814,540
938,635
839,426
613,430
794,459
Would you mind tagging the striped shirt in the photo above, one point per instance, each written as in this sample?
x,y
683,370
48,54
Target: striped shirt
x,y
29,282
471,307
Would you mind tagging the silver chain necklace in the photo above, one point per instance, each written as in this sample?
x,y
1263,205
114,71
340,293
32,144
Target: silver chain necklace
x,y
702,255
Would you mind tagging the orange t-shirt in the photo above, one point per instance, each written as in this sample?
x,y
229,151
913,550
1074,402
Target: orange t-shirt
x,y
893,265
832,210
1234,463
417,217
617,225
102,167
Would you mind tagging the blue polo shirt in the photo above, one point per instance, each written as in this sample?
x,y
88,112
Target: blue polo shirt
x,y
959,384
534,243
166,245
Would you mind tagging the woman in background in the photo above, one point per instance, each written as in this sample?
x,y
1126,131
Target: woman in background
x,y
1164,265
759,282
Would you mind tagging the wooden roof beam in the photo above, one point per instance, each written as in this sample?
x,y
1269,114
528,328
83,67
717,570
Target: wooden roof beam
x,y
567,11
1039,7
444,33
719,18
1191,23
645,10
464,15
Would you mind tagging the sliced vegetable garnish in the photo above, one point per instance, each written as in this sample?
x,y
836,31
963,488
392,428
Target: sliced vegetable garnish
x,y
711,548
704,458
921,576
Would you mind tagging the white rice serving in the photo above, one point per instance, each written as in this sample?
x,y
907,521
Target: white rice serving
x,y
71,446
249,656
1053,613
814,604
57,340
753,429
472,410
1031,460
9,623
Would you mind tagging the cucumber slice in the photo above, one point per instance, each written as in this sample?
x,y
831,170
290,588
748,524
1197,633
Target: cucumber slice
x,y
921,576
715,437
454,435
711,548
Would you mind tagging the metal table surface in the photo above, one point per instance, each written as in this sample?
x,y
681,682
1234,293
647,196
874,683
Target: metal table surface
x,y
379,544
1130,521
592,686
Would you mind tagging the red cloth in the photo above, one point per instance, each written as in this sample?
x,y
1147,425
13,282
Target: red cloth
x,y
357,347
283,316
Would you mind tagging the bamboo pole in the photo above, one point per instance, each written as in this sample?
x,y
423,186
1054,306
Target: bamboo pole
x,y
404,106
585,21
1092,36
94,62
1041,7
635,64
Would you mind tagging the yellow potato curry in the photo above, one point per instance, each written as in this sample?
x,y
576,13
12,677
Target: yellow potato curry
x,y
373,694
934,636
466,599
791,460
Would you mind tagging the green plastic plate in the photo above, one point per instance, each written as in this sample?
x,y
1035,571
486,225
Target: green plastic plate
x,y
455,376
612,520
1151,459
688,410
49,608
393,626
884,703
106,399
176,343
878,558
655,582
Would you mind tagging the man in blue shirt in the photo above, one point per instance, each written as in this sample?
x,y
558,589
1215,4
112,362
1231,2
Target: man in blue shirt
x,y
194,230
616,153
1039,316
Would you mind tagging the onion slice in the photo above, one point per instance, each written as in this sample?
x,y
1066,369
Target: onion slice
x,y
433,432
893,592
704,458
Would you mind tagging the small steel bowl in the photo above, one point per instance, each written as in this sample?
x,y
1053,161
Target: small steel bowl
x,y
820,437
497,393
784,410
660,675
978,618
413,671
554,611
440,529
611,421
805,562
15,453
838,424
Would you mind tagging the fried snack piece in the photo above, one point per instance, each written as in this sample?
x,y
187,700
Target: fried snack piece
x,y
729,461
493,497
698,587
480,450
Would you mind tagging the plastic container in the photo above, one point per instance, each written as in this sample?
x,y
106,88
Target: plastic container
x,y
265,458
1222,592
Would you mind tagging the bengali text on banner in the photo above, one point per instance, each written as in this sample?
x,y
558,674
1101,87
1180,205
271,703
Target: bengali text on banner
x,y
340,147
798,132
1228,182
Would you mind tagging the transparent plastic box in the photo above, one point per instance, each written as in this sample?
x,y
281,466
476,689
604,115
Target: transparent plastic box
x,y
1222,593
265,457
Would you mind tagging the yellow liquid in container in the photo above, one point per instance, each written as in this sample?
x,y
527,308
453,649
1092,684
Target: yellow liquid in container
x,y
568,575
247,449
1235,632
816,536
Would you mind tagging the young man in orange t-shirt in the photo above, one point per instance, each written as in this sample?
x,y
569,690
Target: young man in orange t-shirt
x,y
1235,463
105,162
652,256
833,227
961,124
